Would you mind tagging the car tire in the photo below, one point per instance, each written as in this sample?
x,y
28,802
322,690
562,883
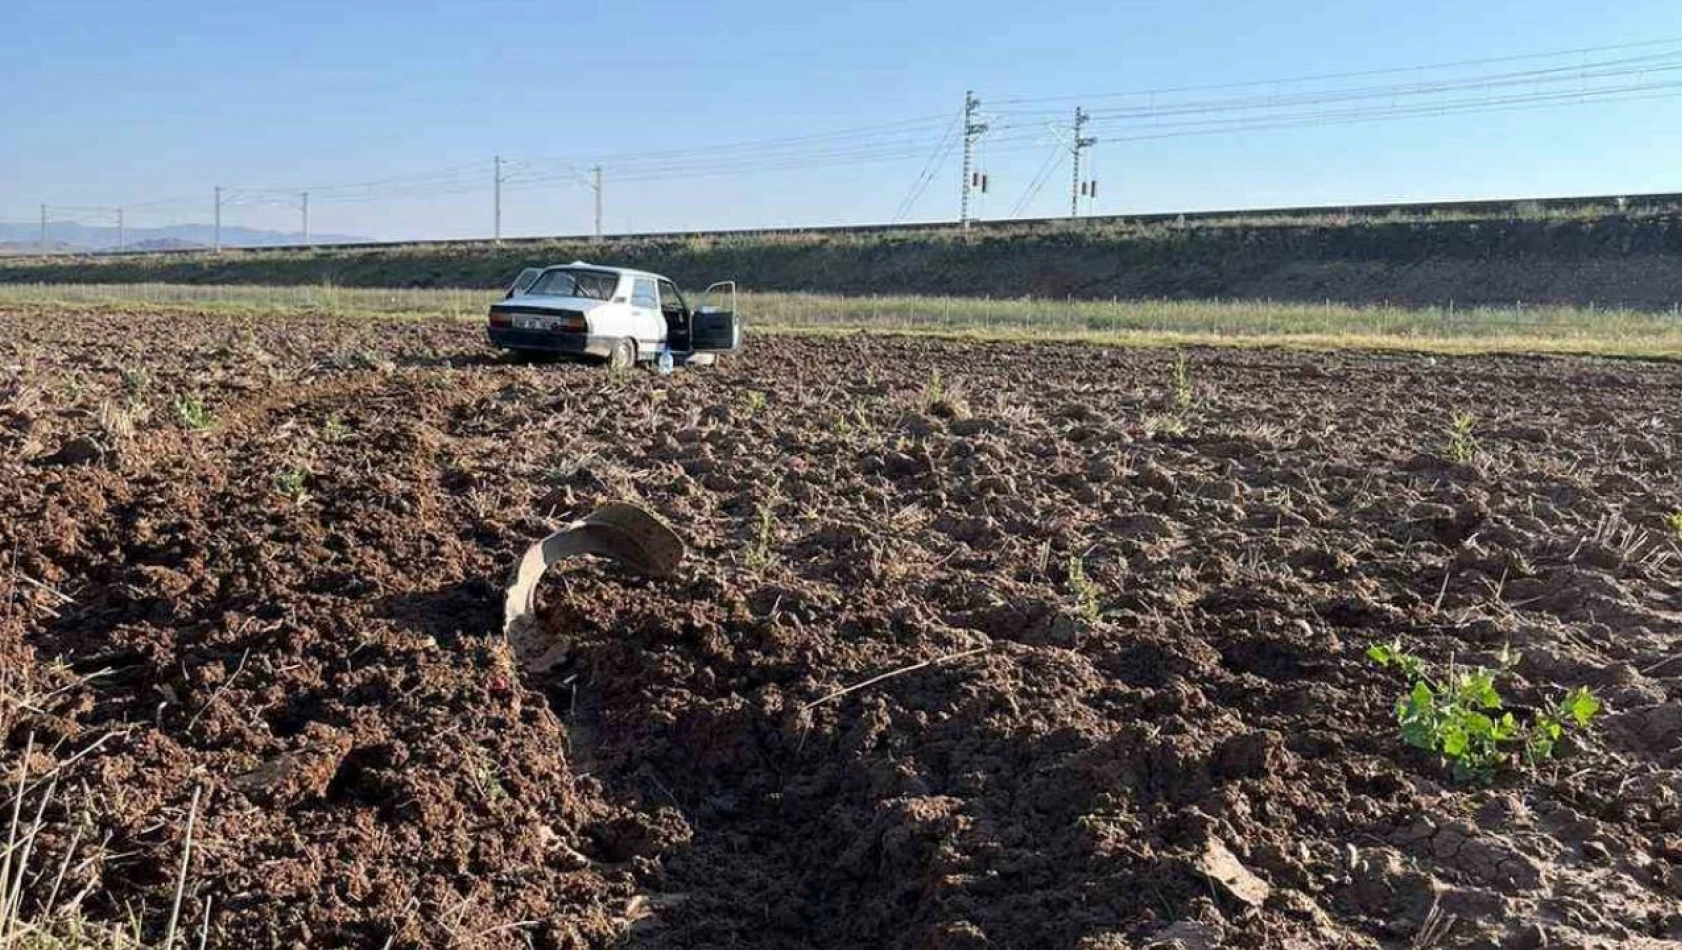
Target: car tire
x,y
623,356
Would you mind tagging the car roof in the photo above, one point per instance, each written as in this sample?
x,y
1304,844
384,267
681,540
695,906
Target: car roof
x,y
608,267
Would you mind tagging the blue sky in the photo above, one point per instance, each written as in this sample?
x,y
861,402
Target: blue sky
x,y
106,104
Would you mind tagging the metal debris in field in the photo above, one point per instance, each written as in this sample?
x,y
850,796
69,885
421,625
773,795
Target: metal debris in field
x,y
622,532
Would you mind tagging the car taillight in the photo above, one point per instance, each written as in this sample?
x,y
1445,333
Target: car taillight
x,y
570,323
501,319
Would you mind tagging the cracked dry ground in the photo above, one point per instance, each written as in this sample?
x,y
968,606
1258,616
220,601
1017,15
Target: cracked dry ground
x,y
293,611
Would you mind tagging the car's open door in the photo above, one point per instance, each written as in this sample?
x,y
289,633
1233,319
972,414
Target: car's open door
x,y
523,282
716,325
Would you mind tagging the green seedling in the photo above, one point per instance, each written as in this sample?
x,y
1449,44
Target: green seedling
x,y
487,778
192,413
934,390
755,401
293,484
336,430
1673,521
135,381
1184,394
1459,715
1083,589
1462,443
759,552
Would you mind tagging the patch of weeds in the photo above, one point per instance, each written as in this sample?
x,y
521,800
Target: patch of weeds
x,y
1460,716
1673,521
116,422
66,925
861,422
943,399
135,382
192,413
336,430
754,400
293,483
572,467
759,551
1083,589
1169,425
1462,447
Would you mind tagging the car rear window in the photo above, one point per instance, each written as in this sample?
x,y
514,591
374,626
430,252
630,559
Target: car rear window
x,y
568,282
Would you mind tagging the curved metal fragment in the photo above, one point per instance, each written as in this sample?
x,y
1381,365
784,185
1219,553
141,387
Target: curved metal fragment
x,y
625,533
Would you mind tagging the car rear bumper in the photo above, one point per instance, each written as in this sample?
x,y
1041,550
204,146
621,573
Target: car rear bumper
x,y
569,342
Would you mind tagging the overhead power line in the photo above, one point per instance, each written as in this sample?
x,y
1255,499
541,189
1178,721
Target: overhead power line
x,y
1628,93
1355,74
931,168
1052,162
1598,75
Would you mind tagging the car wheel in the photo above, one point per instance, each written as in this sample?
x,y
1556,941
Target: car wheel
x,y
623,356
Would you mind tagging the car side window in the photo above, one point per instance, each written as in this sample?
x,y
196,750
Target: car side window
x,y
642,293
670,300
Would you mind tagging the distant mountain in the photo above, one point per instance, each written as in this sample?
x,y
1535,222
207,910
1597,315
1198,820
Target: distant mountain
x,y
20,248
67,237
165,244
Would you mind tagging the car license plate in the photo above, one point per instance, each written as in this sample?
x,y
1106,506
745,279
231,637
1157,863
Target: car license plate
x,y
528,322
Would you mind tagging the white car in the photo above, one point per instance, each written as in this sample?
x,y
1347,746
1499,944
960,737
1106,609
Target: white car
x,y
615,314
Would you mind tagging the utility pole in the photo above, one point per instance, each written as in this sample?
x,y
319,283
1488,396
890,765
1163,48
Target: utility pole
x,y
122,237
598,186
497,226
304,205
43,245
1080,145
217,243
972,130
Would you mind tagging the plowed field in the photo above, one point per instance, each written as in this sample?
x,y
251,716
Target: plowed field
x,y
258,562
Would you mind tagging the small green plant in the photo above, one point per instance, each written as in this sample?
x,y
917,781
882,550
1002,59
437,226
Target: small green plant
x,y
1462,443
759,552
861,422
336,430
293,484
1461,717
1084,590
488,779
192,413
135,381
1184,394
934,390
1673,521
755,401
